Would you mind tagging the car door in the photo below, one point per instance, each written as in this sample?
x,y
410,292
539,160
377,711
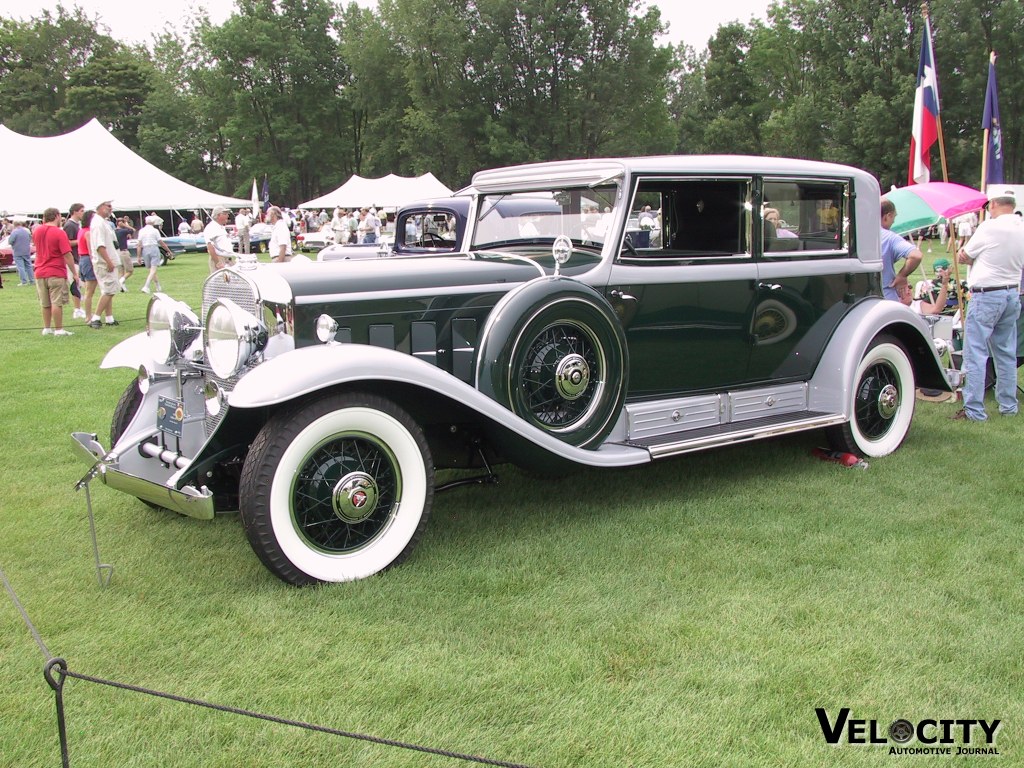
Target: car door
x,y
808,274
684,285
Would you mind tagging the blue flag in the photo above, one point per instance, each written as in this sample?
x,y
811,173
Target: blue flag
x,y
265,195
990,122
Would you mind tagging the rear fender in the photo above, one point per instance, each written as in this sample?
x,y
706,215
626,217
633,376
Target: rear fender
x,y
832,384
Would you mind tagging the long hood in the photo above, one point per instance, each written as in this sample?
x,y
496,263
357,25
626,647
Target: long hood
x,y
410,275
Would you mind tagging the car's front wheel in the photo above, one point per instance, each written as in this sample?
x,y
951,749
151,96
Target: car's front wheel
x,y
127,406
882,405
337,489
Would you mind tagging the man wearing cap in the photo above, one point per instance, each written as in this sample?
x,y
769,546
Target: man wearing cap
x,y
895,248
995,253
105,259
218,244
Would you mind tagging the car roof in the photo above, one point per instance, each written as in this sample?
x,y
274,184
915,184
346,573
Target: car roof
x,y
595,171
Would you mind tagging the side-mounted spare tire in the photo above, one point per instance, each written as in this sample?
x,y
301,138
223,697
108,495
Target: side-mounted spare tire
x,y
555,355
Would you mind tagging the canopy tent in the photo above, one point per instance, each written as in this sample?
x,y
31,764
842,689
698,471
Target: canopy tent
x,y
389,191
88,165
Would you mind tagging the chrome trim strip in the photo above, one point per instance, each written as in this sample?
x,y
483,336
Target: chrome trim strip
x,y
743,435
188,501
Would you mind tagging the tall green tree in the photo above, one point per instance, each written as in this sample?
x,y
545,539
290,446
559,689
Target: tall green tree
x,y
270,77
38,61
112,88
176,130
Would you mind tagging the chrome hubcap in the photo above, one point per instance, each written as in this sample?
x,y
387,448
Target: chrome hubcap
x,y
355,497
572,376
888,401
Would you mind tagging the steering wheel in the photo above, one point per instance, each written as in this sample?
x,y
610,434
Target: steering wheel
x,y
434,240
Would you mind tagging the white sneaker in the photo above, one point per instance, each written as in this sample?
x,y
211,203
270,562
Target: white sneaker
x,y
145,289
79,314
62,332
47,331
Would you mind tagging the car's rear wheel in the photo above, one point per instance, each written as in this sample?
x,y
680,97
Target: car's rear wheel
x,y
336,490
882,402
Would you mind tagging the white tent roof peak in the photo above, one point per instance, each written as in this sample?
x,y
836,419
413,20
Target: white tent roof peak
x,y
389,191
89,165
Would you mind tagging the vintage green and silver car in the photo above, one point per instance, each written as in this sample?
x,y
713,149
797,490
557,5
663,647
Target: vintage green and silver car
x,y
606,313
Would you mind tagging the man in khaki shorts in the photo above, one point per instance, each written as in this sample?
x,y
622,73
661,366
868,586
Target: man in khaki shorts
x,y
53,260
105,259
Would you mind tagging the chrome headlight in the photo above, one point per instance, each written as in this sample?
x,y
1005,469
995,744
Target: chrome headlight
x,y
231,337
326,328
172,326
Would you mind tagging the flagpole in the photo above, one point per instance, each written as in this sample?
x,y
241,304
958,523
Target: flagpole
x,y
938,115
985,140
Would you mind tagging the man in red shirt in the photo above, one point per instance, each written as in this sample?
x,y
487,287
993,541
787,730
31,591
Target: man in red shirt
x,y
53,260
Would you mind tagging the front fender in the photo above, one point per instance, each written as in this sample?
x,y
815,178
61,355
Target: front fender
x,y
832,383
133,352
306,371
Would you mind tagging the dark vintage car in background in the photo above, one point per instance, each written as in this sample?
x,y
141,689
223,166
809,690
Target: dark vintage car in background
x,y
319,399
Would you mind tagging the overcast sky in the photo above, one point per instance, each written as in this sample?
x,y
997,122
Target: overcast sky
x,y
692,22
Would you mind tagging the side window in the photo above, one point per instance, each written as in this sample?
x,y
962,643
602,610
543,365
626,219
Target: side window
x,y
429,229
690,218
800,216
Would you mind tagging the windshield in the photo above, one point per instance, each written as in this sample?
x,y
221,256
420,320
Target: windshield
x,y
582,214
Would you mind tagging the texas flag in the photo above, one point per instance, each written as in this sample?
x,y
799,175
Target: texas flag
x,y
926,113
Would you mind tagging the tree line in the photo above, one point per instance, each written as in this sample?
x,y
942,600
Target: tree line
x,y
308,92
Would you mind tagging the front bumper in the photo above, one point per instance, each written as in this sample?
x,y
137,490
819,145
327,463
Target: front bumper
x,y
187,501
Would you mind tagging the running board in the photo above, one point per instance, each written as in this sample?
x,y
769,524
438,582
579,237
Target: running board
x,y
691,440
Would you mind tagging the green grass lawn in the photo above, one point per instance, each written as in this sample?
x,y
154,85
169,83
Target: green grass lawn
x,y
693,612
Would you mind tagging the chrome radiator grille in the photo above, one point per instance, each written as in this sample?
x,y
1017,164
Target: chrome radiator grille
x,y
230,285
227,285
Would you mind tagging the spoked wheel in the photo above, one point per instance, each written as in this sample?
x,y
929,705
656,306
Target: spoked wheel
x,y
566,372
883,402
555,386
336,490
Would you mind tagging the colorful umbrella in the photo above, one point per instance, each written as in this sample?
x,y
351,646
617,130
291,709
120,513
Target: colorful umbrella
x,y
922,205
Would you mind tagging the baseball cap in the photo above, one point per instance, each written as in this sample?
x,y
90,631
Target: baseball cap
x,y
941,264
218,210
1002,196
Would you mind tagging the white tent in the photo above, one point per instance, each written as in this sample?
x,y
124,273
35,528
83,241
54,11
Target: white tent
x,y
389,191
88,166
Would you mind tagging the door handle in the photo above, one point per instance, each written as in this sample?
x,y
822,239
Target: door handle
x,y
617,294
769,287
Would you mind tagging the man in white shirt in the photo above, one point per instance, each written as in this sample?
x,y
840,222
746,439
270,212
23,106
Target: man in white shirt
x,y
218,244
996,255
280,237
105,259
242,224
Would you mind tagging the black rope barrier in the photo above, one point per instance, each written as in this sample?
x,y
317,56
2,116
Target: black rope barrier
x,y
128,321
56,671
